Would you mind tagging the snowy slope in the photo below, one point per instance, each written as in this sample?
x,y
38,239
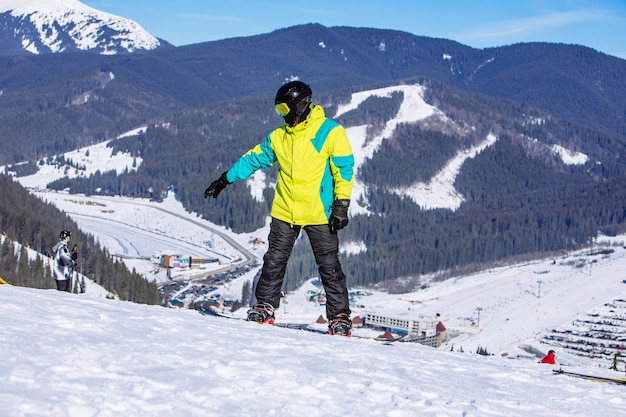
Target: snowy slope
x,y
82,356
65,25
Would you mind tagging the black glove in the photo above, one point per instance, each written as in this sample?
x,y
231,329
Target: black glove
x,y
216,187
339,216
74,256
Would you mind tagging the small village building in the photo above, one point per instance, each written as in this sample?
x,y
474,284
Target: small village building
x,y
387,335
430,332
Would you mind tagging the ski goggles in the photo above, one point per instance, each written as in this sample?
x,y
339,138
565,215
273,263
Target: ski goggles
x,y
282,109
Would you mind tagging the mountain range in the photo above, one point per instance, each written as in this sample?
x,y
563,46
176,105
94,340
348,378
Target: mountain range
x,y
87,97
205,104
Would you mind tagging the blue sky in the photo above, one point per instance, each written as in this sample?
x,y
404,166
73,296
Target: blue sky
x,y
599,24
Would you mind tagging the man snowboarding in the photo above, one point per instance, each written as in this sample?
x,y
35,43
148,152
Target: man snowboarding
x,y
64,262
314,184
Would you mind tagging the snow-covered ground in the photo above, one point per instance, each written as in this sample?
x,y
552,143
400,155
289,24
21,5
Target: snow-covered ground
x,y
85,356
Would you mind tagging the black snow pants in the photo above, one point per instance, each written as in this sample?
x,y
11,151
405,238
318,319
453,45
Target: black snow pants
x,y
325,247
64,284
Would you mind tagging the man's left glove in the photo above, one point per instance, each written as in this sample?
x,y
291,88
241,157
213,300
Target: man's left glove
x,y
339,216
216,187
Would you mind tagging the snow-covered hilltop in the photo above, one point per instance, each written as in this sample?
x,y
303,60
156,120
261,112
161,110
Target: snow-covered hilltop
x,y
53,26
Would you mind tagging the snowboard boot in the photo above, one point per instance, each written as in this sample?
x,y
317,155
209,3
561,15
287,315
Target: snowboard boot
x,y
340,325
262,313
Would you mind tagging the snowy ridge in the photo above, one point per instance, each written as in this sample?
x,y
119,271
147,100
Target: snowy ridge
x,y
569,157
63,25
84,162
440,191
412,109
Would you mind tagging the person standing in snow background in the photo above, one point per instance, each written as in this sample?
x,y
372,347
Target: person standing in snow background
x,y
64,262
314,184
549,358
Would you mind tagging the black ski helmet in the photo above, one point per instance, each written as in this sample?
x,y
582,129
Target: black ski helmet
x,y
296,95
64,234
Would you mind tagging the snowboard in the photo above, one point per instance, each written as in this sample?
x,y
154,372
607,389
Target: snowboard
x,y
304,327
206,311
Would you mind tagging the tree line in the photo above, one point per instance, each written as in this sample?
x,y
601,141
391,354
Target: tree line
x,y
34,224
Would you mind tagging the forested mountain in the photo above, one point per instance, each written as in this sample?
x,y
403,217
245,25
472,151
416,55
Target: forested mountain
x,y
206,104
84,97
520,196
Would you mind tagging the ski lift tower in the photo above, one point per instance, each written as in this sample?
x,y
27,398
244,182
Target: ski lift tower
x,y
478,310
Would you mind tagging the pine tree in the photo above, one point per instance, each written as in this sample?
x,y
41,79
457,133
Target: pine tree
x,y
246,292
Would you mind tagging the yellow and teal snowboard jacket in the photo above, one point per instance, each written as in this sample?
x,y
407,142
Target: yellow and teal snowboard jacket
x,y
316,166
